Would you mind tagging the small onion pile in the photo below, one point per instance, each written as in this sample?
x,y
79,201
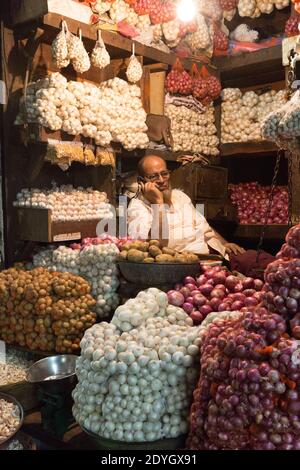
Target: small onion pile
x,y
111,112
137,374
252,199
243,114
282,281
43,310
193,131
247,397
215,290
94,262
103,239
67,203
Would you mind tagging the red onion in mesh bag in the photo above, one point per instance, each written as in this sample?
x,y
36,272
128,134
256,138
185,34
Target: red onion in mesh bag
x,y
291,26
142,7
220,40
248,395
228,5
214,87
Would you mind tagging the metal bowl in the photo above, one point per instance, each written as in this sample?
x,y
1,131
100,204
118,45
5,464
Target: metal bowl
x,y
11,399
54,372
155,274
101,443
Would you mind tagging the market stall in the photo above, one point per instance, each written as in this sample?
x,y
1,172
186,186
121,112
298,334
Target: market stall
x,y
116,341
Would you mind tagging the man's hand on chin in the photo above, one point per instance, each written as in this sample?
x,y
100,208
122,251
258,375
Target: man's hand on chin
x,y
232,248
152,193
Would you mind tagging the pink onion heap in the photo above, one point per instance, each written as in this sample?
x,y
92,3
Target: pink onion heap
x,y
215,290
252,199
291,26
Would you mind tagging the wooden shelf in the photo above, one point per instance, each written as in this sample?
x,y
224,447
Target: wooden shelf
x,y
248,148
252,68
36,225
118,46
275,232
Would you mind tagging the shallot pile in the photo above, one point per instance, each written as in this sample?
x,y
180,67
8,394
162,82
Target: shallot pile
x,y
252,199
43,310
216,290
94,262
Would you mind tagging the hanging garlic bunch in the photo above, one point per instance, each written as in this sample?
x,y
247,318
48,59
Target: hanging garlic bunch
x,y
100,57
59,48
134,70
78,54
246,7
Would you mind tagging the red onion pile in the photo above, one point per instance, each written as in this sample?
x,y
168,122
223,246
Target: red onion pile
x,y
216,290
291,26
179,81
220,40
281,292
252,199
142,7
168,11
156,12
248,394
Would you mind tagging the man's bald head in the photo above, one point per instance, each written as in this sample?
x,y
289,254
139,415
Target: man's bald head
x,y
151,164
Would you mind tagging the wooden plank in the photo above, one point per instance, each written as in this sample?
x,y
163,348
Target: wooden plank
x,y
273,232
118,46
247,148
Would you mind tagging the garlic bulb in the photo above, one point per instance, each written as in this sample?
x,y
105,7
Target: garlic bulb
x,y
119,10
265,6
100,57
201,38
246,7
192,131
134,70
136,374
59,50
101,6
171,30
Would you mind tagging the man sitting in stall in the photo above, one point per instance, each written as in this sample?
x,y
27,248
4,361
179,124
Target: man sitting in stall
x,y
166,214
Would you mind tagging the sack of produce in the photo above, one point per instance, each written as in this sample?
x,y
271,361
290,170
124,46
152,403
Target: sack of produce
x,y
201,38
178,80
100,57
289,126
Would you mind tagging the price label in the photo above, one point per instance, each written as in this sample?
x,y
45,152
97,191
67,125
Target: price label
x,y
63,237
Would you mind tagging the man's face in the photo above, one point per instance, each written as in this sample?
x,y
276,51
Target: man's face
x,y
156,172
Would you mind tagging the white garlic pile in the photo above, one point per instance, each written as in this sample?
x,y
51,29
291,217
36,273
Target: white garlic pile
x,y
96,264
134,70
137,374
67,203
243,114
100,57
243,33
192,131
201,38
111,112
119,10
171,30
143,23
246,7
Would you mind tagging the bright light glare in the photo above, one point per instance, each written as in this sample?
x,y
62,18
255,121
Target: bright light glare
x,y
186,10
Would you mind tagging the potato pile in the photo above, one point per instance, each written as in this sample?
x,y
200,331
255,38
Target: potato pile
x,y
43,310
152,252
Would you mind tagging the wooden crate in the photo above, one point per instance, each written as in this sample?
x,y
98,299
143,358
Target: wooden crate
x,y
201,182
37,225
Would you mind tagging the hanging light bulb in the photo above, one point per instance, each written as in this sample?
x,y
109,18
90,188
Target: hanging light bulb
x,y
186,10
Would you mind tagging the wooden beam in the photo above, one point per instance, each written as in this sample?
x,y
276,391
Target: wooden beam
x,y
248,148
